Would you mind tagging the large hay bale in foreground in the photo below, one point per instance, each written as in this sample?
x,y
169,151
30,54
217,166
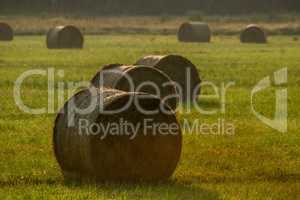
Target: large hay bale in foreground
x,y
182,71
85,154
253,34
6,32
65,37
194,32
138,79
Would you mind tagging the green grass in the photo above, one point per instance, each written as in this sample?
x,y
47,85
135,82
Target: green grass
x,y
255,163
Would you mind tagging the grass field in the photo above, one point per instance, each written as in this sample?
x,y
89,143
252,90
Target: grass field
x,y
163,25
256,162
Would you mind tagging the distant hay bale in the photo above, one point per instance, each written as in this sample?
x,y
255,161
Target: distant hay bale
x,y
194,32
182,71
107,154
253,34
144,79
6,32
295,39
65,37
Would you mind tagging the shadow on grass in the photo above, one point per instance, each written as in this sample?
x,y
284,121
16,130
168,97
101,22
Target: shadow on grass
x,y
132,190
27,181
162,190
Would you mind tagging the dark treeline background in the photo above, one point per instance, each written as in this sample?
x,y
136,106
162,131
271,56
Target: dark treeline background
x,y
149,7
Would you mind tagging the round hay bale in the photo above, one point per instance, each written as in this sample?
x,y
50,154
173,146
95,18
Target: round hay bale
x,y
194,32
253,34
138,79
85,154
6,32
65,37
182,71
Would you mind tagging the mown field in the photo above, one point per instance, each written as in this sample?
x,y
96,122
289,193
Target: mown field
x,y
256,162
283,24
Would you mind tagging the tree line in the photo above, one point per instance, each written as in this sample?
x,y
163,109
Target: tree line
x,y
150,7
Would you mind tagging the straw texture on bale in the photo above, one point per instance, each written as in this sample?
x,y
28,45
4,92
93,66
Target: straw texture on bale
x,y
194,32
6,32
253,34
65,37
140,79
182,71
84,155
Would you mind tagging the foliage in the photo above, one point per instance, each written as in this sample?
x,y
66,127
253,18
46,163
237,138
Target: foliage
x,y
129,7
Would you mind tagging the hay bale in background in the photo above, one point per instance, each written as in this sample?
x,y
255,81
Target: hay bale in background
x,y
116,76
194,32
67,37
177,68
6,32
84,155
253,34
